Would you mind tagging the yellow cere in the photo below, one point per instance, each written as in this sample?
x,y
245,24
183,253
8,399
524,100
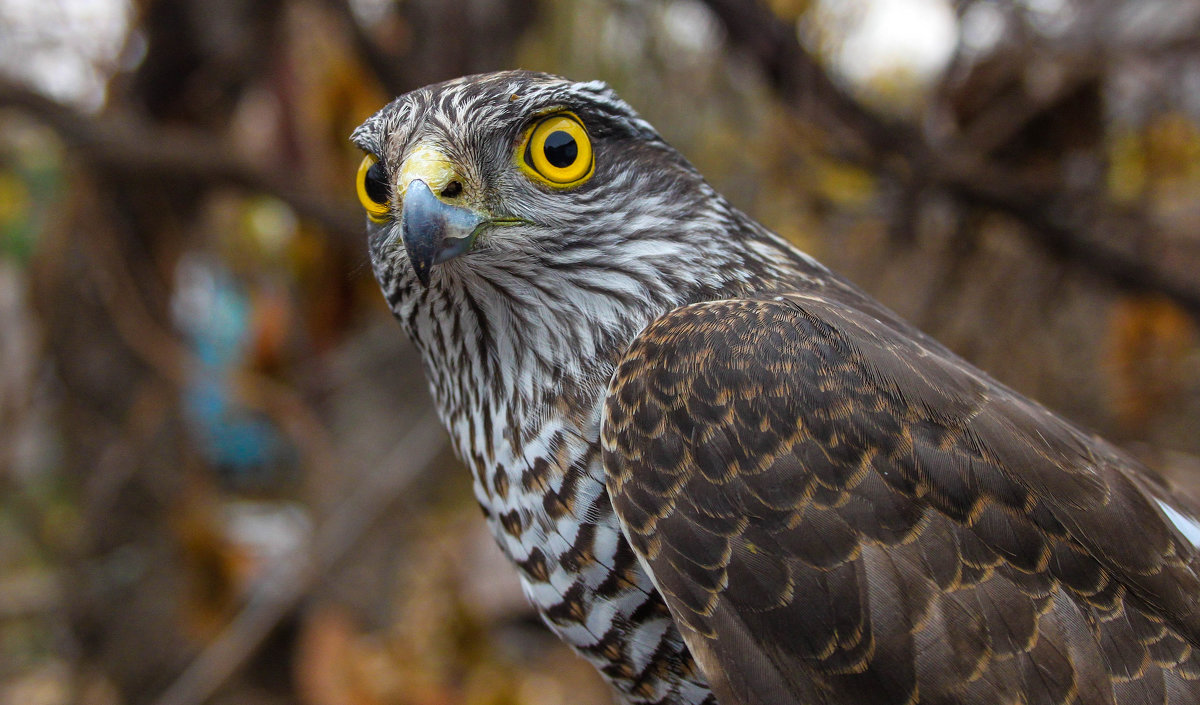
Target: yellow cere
x,y
429,165
557,152
372,187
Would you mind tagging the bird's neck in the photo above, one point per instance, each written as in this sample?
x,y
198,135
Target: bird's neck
x,y
506,350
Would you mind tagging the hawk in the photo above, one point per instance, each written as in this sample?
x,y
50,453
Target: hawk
x,y
724,473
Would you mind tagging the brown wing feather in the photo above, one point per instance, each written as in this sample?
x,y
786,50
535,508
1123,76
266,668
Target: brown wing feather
x,y
838,510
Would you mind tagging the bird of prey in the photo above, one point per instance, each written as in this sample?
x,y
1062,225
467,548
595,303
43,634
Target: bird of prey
x,y
724,473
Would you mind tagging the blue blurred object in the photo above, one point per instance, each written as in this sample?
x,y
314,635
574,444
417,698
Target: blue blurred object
x,y
213,311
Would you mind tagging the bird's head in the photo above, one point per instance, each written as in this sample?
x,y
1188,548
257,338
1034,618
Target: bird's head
x,y
537,178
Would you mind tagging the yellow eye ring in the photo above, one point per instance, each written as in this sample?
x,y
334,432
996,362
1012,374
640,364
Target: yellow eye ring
x,y
558,152
374,189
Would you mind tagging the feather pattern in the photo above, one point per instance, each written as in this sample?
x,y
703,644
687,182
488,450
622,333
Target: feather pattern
x,y
839,512
799,497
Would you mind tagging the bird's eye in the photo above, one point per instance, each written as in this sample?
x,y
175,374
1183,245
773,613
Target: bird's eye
x,y
557,151
374,191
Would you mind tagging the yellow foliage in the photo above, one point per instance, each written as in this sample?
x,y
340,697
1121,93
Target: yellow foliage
x,y
1172,146
1127,168
1149,338
789,10
844,185
899,90
14,198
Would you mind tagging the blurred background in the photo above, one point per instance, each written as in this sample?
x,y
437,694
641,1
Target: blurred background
x,y
219,479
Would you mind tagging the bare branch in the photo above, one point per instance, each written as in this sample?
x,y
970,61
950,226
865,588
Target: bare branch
x,y
1054,221
804,85
389,71
123,144
289,580
166,355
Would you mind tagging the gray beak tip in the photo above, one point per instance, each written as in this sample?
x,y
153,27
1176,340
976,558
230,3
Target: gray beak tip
x,y
434,231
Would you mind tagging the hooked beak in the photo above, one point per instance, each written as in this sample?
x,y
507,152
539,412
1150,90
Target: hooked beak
x,y
435,231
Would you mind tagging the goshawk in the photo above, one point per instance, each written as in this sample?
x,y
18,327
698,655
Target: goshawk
x,y
726,474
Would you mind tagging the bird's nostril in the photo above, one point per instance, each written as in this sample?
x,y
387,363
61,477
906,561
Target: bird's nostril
x,y
452,190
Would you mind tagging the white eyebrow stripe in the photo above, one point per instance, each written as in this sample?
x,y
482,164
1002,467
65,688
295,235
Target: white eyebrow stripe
x,y
1188,526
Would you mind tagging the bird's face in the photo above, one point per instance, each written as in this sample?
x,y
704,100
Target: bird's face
x,y
520,174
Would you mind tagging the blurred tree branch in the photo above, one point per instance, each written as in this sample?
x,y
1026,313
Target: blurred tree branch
x,y
202,87
290,579
1062,223
386,69
803,84
120,143
162,351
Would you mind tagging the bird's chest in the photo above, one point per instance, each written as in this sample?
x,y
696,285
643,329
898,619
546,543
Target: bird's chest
x,y
542,491
531,439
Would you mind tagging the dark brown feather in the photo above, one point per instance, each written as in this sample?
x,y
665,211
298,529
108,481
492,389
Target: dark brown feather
x,y
838,510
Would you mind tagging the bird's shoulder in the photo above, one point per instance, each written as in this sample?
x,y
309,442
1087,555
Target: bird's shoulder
x,y
835,506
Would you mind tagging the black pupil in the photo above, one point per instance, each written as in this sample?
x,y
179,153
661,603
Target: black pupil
x,y
376,183
560,149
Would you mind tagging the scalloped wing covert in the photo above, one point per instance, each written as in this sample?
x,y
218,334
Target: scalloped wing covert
x,y
840,511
